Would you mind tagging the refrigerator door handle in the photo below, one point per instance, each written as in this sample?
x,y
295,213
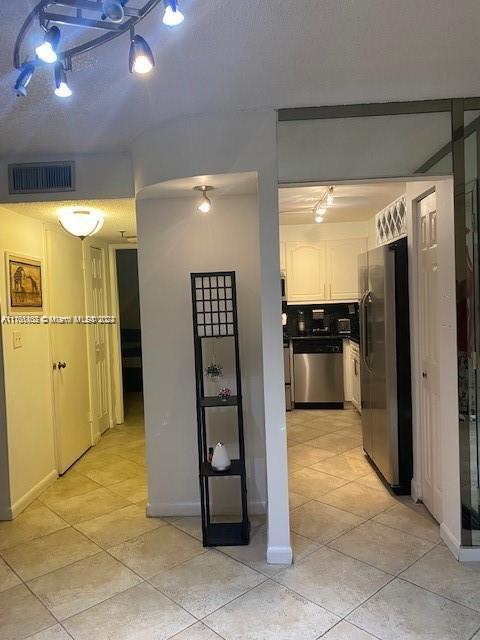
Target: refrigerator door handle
x,y
364,326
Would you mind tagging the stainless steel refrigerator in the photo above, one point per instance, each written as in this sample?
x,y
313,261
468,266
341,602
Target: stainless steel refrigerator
x,y
385,363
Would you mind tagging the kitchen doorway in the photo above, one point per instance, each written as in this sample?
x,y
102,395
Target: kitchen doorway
x,y
326,316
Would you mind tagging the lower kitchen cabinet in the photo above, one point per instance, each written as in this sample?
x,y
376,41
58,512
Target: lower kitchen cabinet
x,y
355,367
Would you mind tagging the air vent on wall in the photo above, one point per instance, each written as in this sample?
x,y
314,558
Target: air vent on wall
x,y
41,177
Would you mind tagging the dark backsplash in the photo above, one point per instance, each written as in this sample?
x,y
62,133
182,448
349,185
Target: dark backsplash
x,y
333,312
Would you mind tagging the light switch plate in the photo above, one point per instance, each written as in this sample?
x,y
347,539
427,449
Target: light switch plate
x,y
17,340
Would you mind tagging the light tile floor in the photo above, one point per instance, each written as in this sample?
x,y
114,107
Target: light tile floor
x,y
84,562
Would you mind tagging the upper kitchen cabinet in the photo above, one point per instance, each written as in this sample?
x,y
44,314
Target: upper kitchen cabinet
x,y
342,267
306,271
324,270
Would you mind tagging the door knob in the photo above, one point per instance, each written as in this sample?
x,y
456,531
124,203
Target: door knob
x,y
62,365
424,374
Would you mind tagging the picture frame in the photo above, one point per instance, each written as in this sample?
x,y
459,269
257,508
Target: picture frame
x,y
24,284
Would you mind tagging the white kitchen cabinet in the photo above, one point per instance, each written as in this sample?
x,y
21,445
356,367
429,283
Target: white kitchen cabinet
x,y
342,267
323,271
283,256
355,368
306,271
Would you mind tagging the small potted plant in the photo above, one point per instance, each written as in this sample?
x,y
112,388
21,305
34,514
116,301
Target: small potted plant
x,y
214,370
225,394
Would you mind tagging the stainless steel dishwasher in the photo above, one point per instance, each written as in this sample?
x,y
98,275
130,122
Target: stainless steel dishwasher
x,y
318,373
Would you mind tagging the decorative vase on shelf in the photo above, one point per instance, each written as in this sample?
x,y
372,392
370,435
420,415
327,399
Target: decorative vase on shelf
x,y
221,460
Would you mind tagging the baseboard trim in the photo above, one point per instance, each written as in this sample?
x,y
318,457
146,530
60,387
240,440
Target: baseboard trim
x,y
469,554
416,491
279,555
450,540
22,503
185,509
96,438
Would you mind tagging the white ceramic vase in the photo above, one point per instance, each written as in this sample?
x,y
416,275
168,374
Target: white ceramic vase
x,y
221,460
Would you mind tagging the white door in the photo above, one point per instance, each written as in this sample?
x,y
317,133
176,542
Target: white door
x,y
428,282
68,348
306,273
100,373
342,267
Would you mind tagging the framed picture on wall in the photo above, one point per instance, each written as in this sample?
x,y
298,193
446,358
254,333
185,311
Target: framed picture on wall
x,y
24,284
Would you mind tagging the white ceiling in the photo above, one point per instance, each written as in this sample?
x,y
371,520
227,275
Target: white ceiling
x,y
232,54
225,184
353,202
119,214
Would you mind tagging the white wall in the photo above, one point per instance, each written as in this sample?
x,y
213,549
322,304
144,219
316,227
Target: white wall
x,y
175,241
355,148
242,141
31,459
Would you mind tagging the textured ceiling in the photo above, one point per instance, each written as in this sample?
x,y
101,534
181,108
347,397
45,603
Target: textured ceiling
x,y
353,202
243,54
119,214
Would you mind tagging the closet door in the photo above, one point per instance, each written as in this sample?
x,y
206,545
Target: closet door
x,y
306,272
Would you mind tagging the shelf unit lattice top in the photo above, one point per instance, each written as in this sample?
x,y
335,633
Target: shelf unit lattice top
x,y
391,222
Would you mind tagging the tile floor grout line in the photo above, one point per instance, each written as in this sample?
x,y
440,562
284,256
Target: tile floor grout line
x,y
439,595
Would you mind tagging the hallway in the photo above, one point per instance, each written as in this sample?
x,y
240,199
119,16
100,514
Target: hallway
x,y
84,561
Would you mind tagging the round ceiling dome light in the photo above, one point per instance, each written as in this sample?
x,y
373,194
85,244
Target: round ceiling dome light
x,y
205,204
81,223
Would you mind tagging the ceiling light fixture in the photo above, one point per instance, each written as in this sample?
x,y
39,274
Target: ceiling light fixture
x,y
141,58
205,204
62,90
47,51
330,198
320,208
172,16
81,223
129,239
112,17
113,10
23,79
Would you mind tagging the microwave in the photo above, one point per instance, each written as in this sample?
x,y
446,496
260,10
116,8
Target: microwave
x,y
283,282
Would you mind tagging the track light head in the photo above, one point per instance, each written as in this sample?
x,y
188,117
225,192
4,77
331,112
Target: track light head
x,y
47,51
23,79
172,16
113,10
141,58
62,90
330,197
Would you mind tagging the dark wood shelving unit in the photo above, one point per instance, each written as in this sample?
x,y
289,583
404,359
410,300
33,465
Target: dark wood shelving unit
x,y
214,300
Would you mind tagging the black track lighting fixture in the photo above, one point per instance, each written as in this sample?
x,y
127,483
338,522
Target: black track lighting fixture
x,y
23,79
62,90
47,51
85,19
113,10
141,58
172,16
